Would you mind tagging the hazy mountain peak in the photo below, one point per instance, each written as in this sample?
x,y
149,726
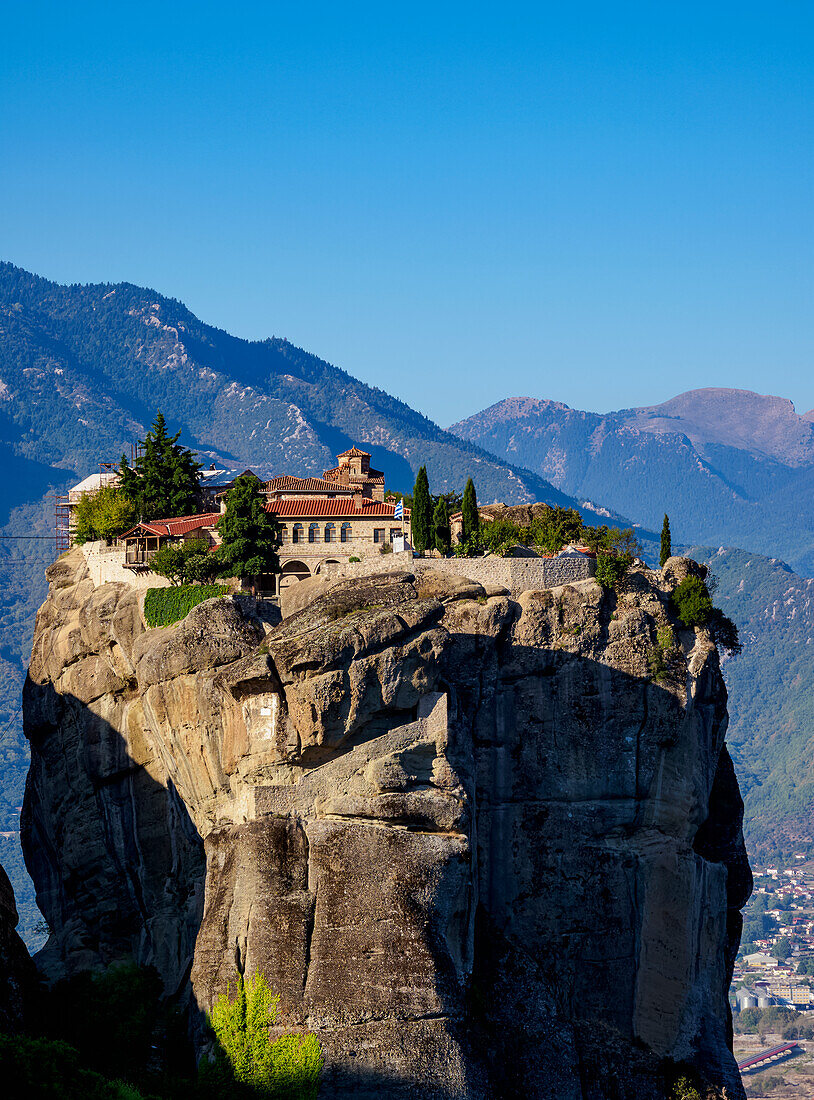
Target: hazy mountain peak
x,y
760,423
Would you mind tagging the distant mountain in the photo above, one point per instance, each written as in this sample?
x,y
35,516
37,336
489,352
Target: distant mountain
x,y
84,368
771,704
727,465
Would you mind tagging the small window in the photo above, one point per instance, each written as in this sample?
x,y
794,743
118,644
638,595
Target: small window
x,y
395,533
344,533
283,533
378,534
313,532
296,534
329,532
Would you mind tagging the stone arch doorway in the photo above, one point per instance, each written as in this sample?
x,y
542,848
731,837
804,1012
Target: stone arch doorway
x,y
292,572
327,561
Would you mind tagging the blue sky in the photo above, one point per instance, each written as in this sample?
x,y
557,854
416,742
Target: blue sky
x,y
604,204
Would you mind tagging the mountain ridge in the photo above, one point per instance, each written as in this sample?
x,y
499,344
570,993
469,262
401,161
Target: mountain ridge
x,y
727,465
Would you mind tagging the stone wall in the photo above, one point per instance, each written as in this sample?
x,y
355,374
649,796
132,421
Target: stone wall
x,y
105,565
515,574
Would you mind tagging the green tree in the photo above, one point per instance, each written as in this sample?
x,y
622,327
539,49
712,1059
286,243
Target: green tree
x,y
440,524
421,515
610,570
165,479
782,948
666,542
470,520
183,562
103,515
250,536
287,1069
692,602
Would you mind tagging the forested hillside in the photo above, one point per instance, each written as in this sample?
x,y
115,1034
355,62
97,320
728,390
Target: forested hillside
x,y
727,465
771,703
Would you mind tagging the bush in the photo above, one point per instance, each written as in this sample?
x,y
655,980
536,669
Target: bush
x,y
692,603
164,606
287,1069
352,559
42,1069
610,570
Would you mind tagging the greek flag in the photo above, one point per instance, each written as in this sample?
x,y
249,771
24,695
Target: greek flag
x,y
399,511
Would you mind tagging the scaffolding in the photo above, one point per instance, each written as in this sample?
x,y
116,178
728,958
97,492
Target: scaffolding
x,y
63,533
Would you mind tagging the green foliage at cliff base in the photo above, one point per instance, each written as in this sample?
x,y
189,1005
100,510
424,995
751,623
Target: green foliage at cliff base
x,y
164,606
247,1063
42,1069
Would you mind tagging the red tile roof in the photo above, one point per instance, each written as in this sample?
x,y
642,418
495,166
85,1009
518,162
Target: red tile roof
x,y
288,483
354,452
341,506
181,525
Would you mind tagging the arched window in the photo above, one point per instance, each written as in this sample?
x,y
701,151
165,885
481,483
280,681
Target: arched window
x,y
296,533
330,533
283,533
344,533
313,532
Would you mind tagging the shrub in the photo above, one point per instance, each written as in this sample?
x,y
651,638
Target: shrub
x,y
386,548
352,559
610,570
164,606
41,1069
692,603
287,1069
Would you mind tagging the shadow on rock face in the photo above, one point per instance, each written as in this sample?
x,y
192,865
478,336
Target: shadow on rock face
x,y
477,846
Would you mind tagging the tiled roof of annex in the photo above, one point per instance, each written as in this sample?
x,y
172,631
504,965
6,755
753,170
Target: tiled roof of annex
x,y
288,483
340,506
180,525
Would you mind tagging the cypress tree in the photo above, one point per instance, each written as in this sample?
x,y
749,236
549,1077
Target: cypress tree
x,y
165,478
666,542
421,515
440,524
250,536
470,521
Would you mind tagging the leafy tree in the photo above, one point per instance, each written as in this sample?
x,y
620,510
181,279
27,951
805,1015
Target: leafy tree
x,y
287,1069
421,515
806,966
555,528
103,515
782,948
165,479
250,536
183,562
610,570
470,520
666,542
440,524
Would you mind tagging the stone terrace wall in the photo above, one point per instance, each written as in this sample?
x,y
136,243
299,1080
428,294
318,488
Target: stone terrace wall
x,y
516,574
105,566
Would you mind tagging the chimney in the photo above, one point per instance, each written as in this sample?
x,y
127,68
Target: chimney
x,y
357,500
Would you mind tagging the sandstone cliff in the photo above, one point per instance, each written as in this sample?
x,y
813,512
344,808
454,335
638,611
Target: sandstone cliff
x,y
476,844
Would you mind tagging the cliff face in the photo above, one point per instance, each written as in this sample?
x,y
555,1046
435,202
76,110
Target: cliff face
x,y
475,844
18,975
